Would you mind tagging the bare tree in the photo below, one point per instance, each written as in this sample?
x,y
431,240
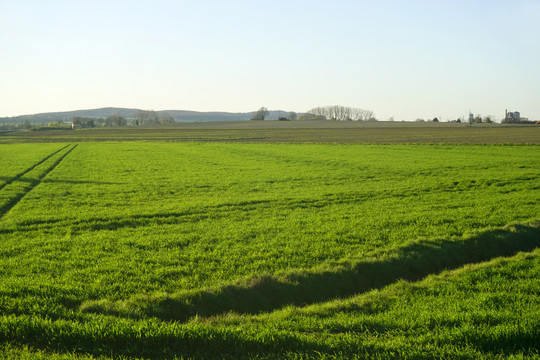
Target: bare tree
x,y
489,119
292,116
261,114
477,119
165,118
116,120
147,117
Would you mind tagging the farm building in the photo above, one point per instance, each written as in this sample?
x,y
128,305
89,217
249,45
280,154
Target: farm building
x,y
514,117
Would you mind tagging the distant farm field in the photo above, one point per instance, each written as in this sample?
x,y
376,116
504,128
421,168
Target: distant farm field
x,y
157,250
351,132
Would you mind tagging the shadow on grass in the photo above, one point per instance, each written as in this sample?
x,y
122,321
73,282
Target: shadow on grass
x,y
411,262
146,340
201,213
59,181
120,337
134,221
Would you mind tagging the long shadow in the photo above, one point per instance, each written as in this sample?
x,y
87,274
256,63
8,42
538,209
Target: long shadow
x,y
133,221
34,182
411,262
164,218
59,181
200,213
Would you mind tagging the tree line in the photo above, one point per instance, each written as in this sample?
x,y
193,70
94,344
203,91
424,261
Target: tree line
x,y
142,117
340,113
335,112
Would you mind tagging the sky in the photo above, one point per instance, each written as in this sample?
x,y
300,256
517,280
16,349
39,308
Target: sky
x,y
400,59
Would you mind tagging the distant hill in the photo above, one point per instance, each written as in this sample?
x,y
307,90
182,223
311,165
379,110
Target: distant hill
x,y
178,115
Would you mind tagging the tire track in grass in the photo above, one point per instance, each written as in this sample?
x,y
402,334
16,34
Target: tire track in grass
x,y
21,174
4,209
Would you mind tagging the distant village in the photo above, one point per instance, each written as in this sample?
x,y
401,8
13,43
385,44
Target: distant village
x,y
510,117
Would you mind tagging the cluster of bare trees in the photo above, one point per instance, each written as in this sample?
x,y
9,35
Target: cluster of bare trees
x,y
343,113
151,117
478,119
90,122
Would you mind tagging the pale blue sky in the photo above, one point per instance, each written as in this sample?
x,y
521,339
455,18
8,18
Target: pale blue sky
x,y
405,59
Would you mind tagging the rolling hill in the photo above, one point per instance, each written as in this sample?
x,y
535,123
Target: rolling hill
x,y
178,115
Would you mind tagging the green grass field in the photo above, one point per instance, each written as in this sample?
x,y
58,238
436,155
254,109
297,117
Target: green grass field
x,y
158,249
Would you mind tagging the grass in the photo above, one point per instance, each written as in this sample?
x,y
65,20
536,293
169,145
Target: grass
x,y
16,186
475,312
223,250
19,159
